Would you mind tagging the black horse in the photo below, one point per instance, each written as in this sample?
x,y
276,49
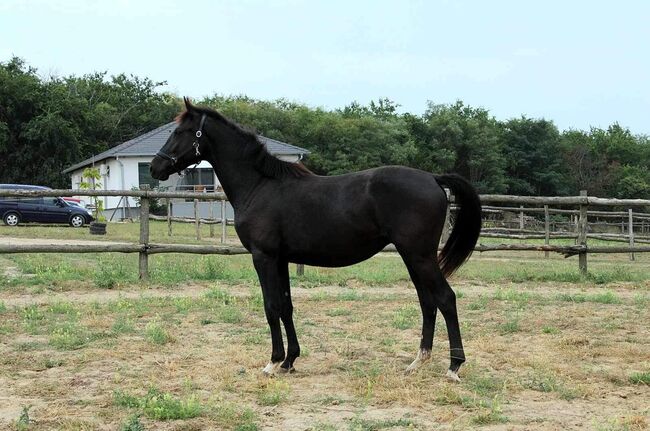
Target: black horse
x,y
285,213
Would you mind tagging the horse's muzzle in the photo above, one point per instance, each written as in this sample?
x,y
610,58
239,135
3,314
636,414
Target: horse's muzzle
x,y
158,169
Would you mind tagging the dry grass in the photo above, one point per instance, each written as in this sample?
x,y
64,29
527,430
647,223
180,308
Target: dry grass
x,y
541,355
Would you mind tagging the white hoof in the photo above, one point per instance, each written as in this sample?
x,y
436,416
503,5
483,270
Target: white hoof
x,y
452,376
271,368
423,356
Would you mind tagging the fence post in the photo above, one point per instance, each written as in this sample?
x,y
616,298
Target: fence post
x,y
630,230
196,219
144,236
211,219
582,234
547,230
169,216
521,218
300,270
224,222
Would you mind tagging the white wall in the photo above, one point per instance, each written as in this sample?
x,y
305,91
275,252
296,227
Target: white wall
x,y
118,174
123,175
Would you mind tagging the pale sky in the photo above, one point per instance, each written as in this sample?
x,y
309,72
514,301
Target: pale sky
x,y
578,63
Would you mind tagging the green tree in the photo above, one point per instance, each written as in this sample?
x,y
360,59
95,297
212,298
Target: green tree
x,y
534,163
461,139
49,124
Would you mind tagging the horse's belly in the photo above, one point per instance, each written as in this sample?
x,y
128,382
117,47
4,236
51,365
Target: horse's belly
x,y
336,254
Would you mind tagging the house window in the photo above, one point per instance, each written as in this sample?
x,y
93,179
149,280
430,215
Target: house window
x,y
144,177
198,180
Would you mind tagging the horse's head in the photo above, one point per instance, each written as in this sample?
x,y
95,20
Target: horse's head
x,y
184,147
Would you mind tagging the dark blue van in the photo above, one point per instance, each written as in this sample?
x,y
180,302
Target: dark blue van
x,y
41,209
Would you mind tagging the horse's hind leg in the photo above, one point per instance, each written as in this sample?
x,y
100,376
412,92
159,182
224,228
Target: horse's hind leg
x,y
429,311
447,305
434,292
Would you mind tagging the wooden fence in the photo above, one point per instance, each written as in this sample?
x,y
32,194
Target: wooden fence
x,y
145,248
197,220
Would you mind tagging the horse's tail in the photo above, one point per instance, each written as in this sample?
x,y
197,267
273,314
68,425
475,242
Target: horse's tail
x,y
467,228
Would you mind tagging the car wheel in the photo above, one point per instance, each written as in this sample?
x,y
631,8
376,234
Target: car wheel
x,y
77,220
11,219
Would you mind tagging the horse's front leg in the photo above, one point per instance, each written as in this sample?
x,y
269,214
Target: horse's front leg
x,y
286,314
268,269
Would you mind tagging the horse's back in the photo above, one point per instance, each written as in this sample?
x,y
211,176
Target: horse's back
x,y
341,220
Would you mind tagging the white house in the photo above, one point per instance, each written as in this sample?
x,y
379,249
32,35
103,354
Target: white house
x,y
126,166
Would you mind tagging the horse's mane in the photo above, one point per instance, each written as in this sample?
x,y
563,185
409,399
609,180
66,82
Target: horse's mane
x,y
266,163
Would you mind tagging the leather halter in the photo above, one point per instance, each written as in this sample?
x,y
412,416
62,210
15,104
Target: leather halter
x,y
195,145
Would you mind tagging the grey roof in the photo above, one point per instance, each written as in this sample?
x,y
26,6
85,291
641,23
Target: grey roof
x,y
151,142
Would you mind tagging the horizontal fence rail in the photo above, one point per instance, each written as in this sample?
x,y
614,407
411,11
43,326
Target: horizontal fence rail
x,y
578,225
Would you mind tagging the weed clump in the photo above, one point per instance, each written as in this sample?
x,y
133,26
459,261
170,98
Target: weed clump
x,y
160,405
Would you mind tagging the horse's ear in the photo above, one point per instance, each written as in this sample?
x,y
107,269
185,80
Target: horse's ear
x,y
188,104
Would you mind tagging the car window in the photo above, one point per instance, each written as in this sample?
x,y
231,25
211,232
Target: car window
x,y
51,202
29,200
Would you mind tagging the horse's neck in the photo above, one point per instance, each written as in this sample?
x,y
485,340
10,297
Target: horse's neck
x,y
237,176
237,182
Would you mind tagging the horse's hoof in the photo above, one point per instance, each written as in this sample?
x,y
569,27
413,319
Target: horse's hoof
x,y
423,356
272,368
289,370
452,376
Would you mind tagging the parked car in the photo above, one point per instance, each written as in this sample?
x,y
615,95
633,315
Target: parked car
x,y
75,201
41,209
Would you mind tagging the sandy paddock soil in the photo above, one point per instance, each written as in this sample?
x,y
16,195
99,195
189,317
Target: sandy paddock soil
x,y
541,356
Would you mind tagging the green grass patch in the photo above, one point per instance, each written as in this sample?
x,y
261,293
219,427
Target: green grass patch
x,y
608,297
572,297
350,295
513,295
550,330
64,308
338,311
220,296
274,393
510,326
133,424
32,313
360,424
640,378
544,381
24,421
405,317
160,405
52,363
232,416
604,298
490,416
157,334
110,273
479,304
485,386
229,314
69,336
123,325
550,270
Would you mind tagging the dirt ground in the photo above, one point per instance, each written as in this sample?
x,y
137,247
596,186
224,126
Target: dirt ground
x,y
535,361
